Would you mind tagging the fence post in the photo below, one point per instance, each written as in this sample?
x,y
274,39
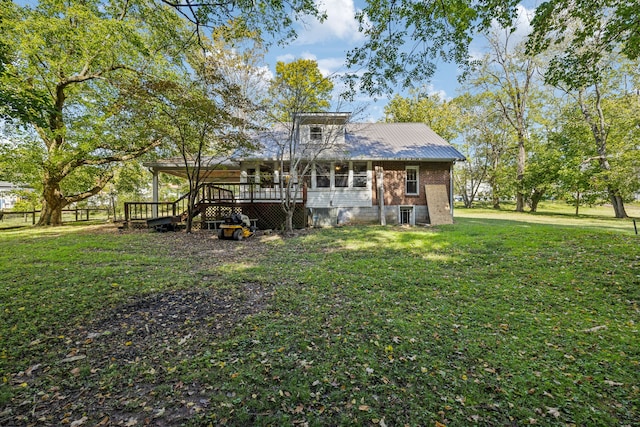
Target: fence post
x,y
33,218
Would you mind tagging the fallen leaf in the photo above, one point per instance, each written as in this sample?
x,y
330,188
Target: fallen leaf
x,y
73,358
553,411
103,422
131,422
612,383
363,407
79,422
31,369
595,328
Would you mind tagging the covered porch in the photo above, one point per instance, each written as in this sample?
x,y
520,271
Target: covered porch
x,y
224,189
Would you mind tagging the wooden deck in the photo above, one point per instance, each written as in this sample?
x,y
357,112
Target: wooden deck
x,y
216,201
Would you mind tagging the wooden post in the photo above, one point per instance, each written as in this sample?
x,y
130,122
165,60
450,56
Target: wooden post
x,y
380,187
154,193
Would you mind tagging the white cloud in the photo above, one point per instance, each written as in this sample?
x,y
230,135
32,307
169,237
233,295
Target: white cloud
x,y
340,23
522,25
288,57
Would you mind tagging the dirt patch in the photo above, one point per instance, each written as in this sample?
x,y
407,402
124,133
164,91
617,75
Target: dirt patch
x,y
117,370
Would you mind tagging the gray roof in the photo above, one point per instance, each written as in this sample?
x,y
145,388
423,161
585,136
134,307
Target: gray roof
x,y
363,141
374,141
398,141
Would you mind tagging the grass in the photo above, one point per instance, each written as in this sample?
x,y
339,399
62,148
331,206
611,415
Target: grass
x,y
499,319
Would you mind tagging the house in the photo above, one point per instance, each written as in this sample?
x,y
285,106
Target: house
x,y
397,173
8,196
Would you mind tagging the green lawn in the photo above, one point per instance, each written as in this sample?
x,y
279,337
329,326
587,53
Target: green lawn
x,y
499,319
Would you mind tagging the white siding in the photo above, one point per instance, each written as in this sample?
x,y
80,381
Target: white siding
x,y
339,197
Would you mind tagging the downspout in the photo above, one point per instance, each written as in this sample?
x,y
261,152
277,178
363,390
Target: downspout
x,y
451,188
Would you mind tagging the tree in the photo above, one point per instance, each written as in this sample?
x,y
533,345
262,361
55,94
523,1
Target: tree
x,y
615,22
298,87
405,39
264,18
508,74
64,67
576,172
68,58
484,141
200,114
440,115
590,74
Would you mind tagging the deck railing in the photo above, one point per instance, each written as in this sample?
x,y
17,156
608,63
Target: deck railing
x,y
218,193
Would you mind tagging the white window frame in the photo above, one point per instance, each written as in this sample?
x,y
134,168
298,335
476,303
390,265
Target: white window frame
x,y
417,180
316,176
316,133
352,175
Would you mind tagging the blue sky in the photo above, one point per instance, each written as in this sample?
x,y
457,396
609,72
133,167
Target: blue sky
x,y
329,42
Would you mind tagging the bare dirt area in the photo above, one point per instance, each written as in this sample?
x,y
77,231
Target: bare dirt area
x,y
121,367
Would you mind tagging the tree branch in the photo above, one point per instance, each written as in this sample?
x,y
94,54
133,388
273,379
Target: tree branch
x,y
71,166
92,192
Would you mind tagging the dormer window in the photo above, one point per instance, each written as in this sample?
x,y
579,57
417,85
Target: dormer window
x,y
315,134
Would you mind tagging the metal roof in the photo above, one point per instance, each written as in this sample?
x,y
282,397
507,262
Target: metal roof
x,y
397,141
373,141
363,141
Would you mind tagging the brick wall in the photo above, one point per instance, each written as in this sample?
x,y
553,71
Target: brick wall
x,y
394,181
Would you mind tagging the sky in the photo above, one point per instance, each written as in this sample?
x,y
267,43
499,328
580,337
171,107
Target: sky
x,y
328,43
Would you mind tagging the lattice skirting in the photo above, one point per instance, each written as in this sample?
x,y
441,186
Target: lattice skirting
x,y
268,215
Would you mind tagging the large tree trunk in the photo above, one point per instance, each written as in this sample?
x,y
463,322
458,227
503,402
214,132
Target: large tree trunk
x,y
52,204
618,204
535,199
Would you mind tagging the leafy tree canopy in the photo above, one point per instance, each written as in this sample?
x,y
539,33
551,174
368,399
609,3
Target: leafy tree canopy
x,y
299,86
405,39
440,115
67,67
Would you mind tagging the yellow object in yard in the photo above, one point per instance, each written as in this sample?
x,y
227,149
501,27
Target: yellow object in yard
x,y
236,227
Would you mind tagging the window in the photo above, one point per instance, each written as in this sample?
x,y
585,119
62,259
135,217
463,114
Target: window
x,y
284,176
251,175
323,175
315,134
406,214
411,180
266,176
342,174
359,174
